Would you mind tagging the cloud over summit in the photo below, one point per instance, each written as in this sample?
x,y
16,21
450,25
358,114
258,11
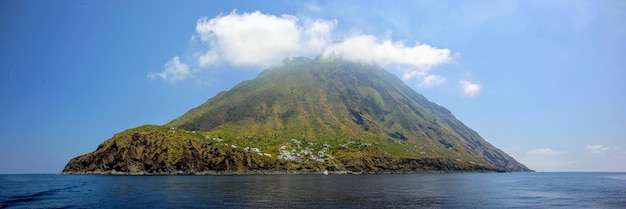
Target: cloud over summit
x,y
369,48
260,40
256,39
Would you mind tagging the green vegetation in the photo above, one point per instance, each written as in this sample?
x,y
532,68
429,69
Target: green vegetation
x,y
335,101
312,114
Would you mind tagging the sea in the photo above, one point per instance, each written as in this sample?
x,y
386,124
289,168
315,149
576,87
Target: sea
x,y
466,190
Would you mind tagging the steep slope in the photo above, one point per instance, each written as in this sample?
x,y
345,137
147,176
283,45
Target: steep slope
x,y
159,150
337,102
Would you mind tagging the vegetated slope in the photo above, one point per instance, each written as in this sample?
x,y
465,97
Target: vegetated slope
x,y
337,102
157,150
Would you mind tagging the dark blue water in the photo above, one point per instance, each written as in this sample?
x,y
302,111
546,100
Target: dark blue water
x,y
504,190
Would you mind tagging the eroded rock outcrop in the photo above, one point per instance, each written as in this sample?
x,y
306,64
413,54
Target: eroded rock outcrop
x,y
151,150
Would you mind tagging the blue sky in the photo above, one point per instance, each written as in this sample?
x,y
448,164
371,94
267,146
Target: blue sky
x,y
541,80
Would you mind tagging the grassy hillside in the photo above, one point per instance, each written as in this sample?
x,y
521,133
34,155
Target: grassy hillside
x,y
337,103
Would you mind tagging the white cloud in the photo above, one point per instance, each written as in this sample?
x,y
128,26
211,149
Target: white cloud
x,y
371,49
317,35
469,89
208,58
432,80
599,149
424,79
544,152
174,71
414,62
256,39
260,40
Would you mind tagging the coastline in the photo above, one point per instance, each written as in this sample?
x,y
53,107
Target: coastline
x,y
260,172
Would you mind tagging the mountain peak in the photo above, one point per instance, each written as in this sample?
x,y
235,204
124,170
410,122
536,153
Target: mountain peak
x,y
336,101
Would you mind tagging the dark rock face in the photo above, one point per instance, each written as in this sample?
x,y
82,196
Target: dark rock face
x,y
153,152
375,161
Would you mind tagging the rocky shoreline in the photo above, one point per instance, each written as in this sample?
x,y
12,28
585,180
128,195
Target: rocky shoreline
x,y
222,173
152,150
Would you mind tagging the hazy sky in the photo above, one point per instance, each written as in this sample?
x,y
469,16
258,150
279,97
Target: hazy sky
x,y
542,80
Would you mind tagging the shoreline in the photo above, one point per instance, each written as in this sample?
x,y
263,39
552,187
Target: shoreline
x,y
223,173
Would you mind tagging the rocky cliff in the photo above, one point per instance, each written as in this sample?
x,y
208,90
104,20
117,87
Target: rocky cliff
x,y
156,150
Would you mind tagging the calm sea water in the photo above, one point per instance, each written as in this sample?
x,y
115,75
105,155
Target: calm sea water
x,y
501,190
